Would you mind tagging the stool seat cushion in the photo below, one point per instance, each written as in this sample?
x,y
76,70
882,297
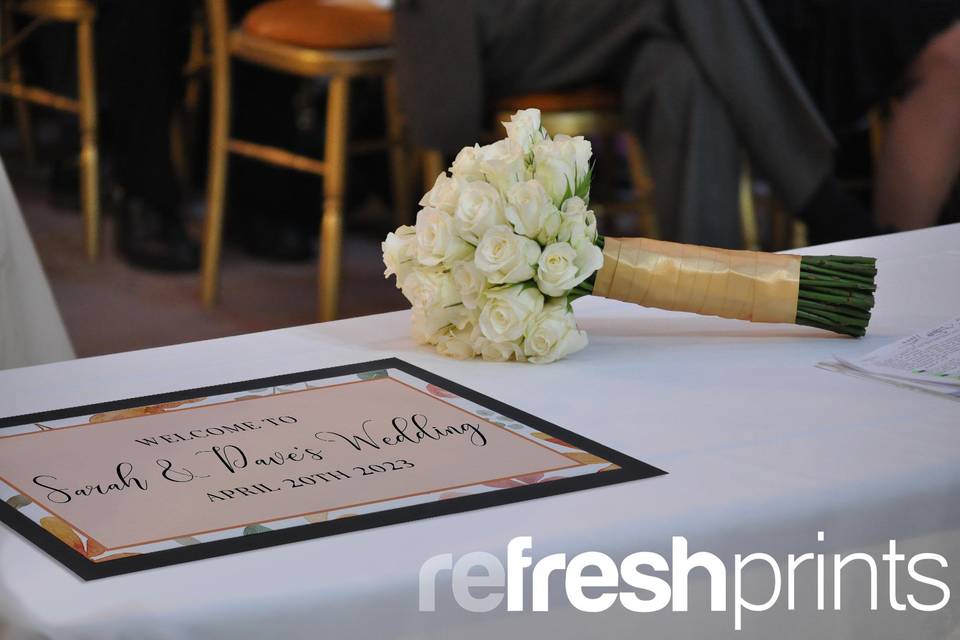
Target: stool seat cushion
x,y
63,10
583,99
319,24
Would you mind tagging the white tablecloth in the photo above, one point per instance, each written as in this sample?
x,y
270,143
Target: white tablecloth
x,y
31,331
763,450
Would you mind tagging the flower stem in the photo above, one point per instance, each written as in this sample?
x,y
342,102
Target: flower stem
x,y
836,293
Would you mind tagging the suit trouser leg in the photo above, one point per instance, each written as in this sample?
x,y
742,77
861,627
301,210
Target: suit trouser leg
x,y
773,115
691,146
701,79
143,51
685,128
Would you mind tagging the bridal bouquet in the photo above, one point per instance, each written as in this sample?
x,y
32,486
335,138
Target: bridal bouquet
x,y
507,241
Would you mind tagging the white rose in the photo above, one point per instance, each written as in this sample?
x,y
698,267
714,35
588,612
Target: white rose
x,y
466,166
504,163
437,240
443,195
480,207
498,351
506,257
562,267
399,252
553,334
427,326
458,343
430,289
578,225
507,312
574,206
557,269
470,282
560,164
418,327
424,327
531,212
524,127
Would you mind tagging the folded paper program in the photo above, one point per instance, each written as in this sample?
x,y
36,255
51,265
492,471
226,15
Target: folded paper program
x,y
506,242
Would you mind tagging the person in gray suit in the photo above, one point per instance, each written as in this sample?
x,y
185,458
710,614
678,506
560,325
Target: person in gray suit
x,y
700,83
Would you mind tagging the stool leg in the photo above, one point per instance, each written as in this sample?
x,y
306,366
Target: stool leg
x,y
399,161
89,162
15,73
799,236
331,228
878,132
432,167
642,187
748,212
781,226
219,134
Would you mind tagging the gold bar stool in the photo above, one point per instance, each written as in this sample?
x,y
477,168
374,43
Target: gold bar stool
x,y
308,38
81,13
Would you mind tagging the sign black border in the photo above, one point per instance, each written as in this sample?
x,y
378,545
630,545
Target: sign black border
x,y
630,469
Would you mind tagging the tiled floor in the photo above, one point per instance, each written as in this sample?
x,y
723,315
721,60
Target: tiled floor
x,y
109,306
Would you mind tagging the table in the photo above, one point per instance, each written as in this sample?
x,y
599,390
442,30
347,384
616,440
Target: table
x,y
31,331
763,450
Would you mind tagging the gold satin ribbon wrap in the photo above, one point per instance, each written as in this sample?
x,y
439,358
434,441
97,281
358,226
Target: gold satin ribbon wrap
x,y
746,285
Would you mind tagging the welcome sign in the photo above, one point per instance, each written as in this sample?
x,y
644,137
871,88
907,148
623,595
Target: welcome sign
x,y
146,482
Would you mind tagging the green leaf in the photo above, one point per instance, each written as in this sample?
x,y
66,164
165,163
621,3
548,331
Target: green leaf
x,y
19,501
583,184
254,529
568,193
372,375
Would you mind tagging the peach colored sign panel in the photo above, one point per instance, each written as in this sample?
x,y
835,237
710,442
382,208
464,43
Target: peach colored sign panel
x,y
180,473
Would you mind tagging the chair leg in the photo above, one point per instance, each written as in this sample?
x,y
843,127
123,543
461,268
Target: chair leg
x,y
878,132
89,161
642,187
432,167
219,134
799,237
331,228
748,211
781,226
399,157
15,74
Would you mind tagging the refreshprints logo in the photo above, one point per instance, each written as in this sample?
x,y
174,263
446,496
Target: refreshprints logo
x,y
647,592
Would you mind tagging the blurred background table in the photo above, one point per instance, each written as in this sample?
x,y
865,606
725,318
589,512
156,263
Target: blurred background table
x,y
762,448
